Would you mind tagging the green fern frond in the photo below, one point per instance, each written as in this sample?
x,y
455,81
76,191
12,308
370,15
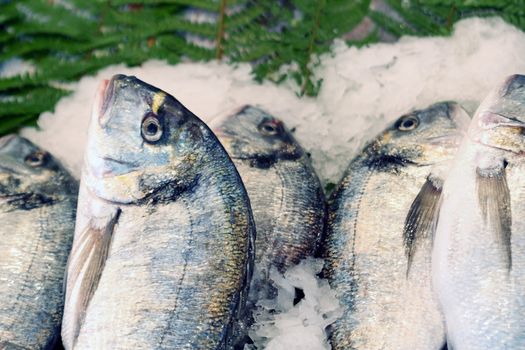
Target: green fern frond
x,y
31,102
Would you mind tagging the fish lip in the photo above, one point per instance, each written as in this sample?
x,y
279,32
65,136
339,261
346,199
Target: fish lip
x,y
216,124
4,141
119,161
105,97
133,166
453,139
485,123
509,82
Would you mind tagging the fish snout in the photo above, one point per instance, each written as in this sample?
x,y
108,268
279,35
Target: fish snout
x,y
5,140
511,84
459,116
101,102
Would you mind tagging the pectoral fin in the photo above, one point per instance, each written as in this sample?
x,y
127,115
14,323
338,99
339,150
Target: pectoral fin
x,y
494,201
85,266
421,217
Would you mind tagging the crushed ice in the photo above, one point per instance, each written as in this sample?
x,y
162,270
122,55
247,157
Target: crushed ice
x,y
363,90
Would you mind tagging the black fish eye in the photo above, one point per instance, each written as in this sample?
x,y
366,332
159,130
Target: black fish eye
x,y
151,128
408,123
36,159
268,128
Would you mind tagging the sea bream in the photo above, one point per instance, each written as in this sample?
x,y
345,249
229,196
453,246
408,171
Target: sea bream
x,y
378,242
37,216
479,251
163,247
286,195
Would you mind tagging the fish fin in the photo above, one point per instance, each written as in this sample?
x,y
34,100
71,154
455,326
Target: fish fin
x,y
85,265
494,201
421,217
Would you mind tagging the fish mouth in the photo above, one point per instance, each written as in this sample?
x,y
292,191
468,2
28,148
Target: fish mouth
x,y
113,167
105,97
4,141
446,140
512,83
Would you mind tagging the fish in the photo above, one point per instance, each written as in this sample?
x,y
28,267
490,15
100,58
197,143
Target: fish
x,y
378,243
479,252
37,215
286,196
164,240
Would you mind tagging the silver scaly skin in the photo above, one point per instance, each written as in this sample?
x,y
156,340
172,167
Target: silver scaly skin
x,y
378,241
163,247
479,251
286,195
37,216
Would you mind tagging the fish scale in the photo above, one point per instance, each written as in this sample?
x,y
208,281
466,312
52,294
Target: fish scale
x,y
277,207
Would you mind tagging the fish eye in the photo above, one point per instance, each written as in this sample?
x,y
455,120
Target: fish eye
x,y
407,123
36,159
151,128
268,128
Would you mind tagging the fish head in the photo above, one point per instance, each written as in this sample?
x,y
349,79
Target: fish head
x,y
253,134
141,141
422,137
499,121
30,173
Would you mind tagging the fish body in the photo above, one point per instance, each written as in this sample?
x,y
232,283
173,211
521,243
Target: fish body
x,y
479,251
37,216
163,247
286,195
378,242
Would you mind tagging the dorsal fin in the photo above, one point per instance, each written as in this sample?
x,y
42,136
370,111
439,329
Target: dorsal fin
x,y
420,219
85,266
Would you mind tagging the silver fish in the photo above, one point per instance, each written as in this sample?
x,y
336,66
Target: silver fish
x,y
479,251
286,196
37,216
163,247
378,243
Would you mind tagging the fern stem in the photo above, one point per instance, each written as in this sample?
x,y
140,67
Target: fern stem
x,y
220,32
313,37
450,17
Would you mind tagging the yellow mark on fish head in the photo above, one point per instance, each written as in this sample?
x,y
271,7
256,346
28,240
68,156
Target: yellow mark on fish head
x,y
386,137
158,100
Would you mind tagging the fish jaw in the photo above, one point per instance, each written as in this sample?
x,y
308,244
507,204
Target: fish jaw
x,y
4,140
500,119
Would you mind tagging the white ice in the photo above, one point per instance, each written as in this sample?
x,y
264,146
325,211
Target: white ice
x,y
363,90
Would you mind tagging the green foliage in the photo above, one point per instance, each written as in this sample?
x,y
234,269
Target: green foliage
x,y
66,39
436,17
